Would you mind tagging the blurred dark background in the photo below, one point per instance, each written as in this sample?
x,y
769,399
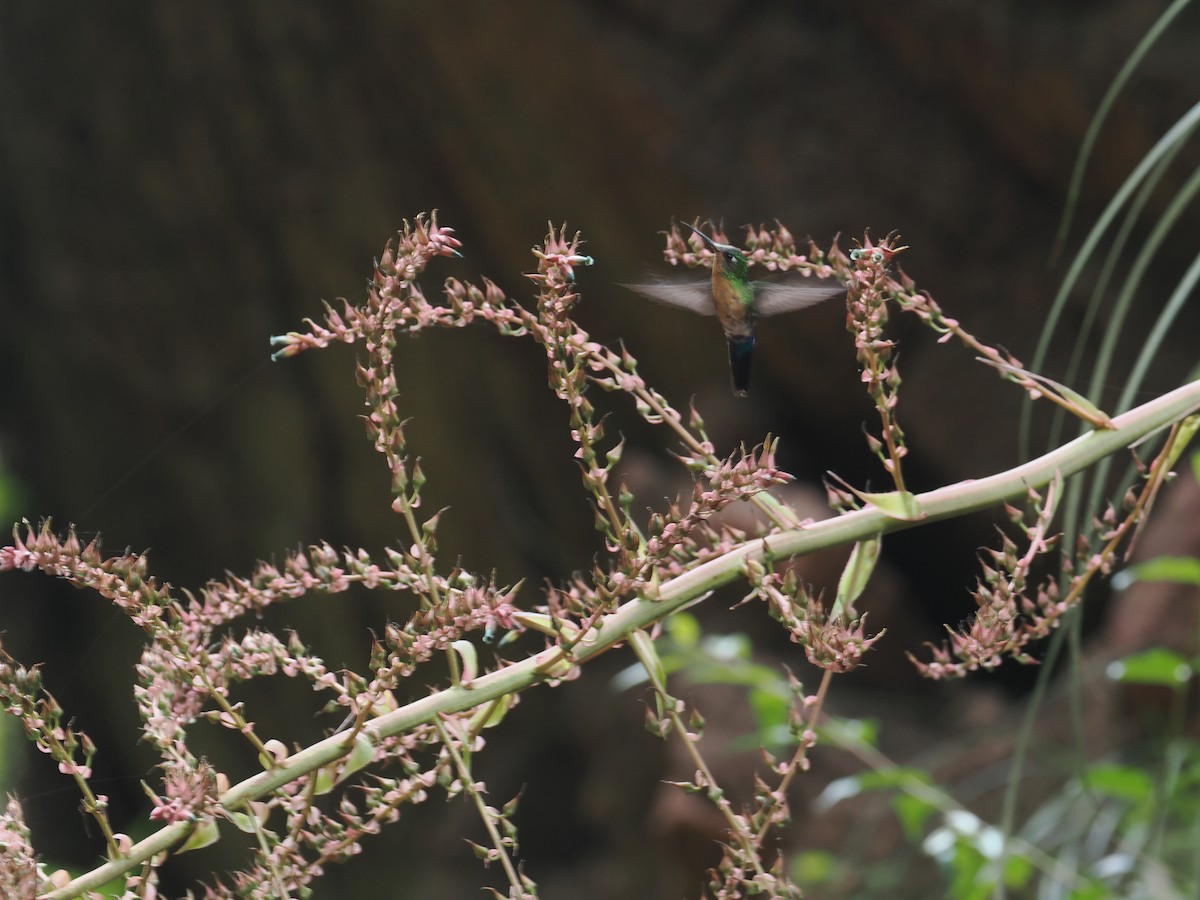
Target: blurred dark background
x,y
179,182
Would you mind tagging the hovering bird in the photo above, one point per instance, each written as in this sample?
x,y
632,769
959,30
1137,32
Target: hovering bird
x,y
737,301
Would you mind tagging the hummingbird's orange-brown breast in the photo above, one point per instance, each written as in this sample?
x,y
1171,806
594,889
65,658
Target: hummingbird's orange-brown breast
x,y
734,302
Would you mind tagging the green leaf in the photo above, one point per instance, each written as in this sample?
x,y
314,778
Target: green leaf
x,y
1083,407
684,630
855,576
894,777
1175,569
1156,666
470,660
546,624
12,497
243,821
362,754
813,867
1122,782
913,813
1092,134
1017,871
492,714
485,854
324,781
203,835
900,505
510,808
1074,396
850,732
970,881
770,710
1163,149
1187,430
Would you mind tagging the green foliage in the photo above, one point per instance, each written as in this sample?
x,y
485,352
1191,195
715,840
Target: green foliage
x,y
723,659
1177,569
1111,831
1156,666
12,496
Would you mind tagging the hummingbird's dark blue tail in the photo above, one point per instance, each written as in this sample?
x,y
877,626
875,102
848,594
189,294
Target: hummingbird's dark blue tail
x,y
741,350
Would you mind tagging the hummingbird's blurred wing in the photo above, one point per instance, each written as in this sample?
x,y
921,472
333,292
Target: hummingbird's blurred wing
x,y
694,295
774,297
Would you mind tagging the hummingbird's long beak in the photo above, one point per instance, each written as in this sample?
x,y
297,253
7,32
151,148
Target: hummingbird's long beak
x,y
712,245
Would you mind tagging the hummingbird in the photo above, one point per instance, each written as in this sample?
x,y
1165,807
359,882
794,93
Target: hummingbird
x,y
737,301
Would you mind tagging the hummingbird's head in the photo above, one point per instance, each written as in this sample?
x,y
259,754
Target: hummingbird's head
x,y
728,260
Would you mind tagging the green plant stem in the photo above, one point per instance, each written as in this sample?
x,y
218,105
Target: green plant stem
x,y
643,646
465,776
616,627
802,747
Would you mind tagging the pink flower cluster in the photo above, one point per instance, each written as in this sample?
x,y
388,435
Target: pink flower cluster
x,y
1007,619
772,248
22,877
736,478
198,651
829,643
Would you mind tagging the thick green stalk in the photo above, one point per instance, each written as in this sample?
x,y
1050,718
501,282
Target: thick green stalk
x,y
641,612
